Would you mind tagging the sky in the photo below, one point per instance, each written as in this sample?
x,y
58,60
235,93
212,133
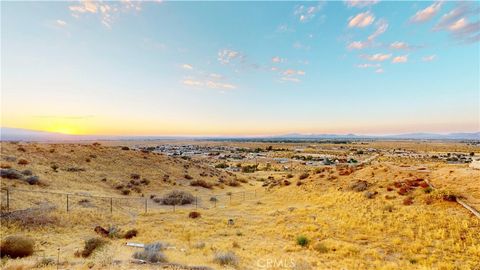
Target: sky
x,y
240,68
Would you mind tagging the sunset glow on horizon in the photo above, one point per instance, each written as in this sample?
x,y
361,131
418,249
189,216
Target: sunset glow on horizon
x,y
240,68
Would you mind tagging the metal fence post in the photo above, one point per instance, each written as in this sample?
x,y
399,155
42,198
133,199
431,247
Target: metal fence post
x,y
8,200
196,202
67,202
146,205
111,205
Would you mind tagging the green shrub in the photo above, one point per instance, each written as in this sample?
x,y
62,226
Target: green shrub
x,y
91,245
302,240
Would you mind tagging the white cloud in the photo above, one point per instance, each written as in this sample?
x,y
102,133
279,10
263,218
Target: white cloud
x,y
382,26
187,66
457,23
225,56
399,45
190,82
358,45
290,79
360,3
106,11
277,59
61,23
427,13
300,46
216,76
306,13
379,70
361,20
429,58
368,65
290,72
211,84
379,57
400,59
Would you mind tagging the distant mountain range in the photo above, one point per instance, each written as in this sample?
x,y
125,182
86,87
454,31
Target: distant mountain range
x,y
18,134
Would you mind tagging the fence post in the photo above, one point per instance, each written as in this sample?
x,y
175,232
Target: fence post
x,y
215,201
230,198
196,202
255,193
146,207
58,258
67,202
8,200
111,205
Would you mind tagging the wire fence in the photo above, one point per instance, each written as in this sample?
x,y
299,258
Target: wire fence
x,y
13,199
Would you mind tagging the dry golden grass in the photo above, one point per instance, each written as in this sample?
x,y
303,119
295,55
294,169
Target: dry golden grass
x,y
346,230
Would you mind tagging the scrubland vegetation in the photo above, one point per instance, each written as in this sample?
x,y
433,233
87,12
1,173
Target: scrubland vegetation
x,y
379,215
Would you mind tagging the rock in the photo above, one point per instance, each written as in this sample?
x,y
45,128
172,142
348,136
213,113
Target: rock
x,y
370,194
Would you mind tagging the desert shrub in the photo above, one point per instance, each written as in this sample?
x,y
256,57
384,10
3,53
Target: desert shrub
x,y
302,240
10,174
137,189
232,183
87,160
5,166
130,233
428,190
289,175
21,149
221,165
16,246
31,217
27,172
201,183
22,161
75,169
213,199
145,181
303,176
135,176
54,167
194,214
125,191
177,197
226,258
91,245
119,186
33,180
320,247
408,201
125,148
188,177
249,168
44,262
151,256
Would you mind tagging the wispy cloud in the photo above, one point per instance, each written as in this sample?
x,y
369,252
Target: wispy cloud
x,y
361,20
211,84
187,66
368,65
427,13
381,27
61,23
307,13
379,70
360,3
226,56
358,45
278,59
400,59
429,58
399,45
107,11
300,46
290,79
457,23
378,57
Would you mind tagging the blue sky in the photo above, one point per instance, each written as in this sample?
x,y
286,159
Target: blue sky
x,y
241,68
